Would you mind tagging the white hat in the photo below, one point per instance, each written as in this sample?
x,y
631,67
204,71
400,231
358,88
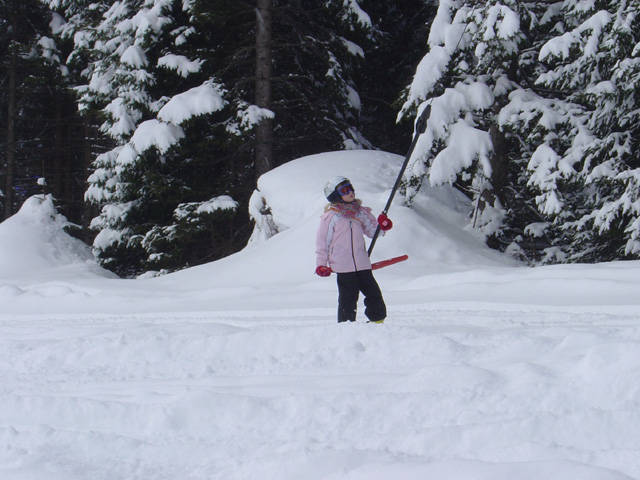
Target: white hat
x,y
330,187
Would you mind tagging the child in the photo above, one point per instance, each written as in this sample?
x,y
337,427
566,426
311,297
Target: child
x,y
340,248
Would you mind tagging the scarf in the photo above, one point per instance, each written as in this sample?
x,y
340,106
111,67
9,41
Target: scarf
x,y
348,210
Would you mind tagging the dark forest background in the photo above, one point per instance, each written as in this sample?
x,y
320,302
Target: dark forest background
x,y
302,59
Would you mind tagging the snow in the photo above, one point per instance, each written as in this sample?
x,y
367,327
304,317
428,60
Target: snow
x,y
464,141
485,368
134,56
445,36
153,133
355,9
206,98
123,123
459,155
562,45
502,19
49,50
253,115
34,242
223,202
354,49
180,63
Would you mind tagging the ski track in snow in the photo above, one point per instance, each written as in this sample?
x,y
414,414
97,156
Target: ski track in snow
x,y
494,392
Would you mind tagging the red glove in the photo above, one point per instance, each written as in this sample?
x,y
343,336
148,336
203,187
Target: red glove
x,y
384,222
323,271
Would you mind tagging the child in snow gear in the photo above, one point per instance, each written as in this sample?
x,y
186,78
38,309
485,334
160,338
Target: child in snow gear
x,y
340,248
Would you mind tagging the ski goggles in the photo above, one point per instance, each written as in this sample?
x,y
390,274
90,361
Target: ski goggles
x,y
345,189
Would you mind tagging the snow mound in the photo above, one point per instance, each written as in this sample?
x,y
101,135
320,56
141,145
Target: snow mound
x,y
289,202
431,231
294,191
33,243
42,269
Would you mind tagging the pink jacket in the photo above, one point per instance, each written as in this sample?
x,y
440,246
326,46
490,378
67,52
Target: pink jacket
x,y
340,240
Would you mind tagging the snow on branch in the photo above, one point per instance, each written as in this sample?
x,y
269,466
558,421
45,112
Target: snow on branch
x,y
154,133
464,145
180,64
189,211
429,72
207,98
354,8
253,115
562,46
446,35
501,22
450,123
134,56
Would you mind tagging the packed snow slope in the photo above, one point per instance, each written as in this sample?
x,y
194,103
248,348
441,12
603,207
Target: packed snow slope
x,y
485,368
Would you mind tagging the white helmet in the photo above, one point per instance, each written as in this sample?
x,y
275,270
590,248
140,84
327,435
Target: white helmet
x,y
330,187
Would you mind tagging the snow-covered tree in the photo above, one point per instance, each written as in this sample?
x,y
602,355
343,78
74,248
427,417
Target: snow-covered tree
x,y
391,50
318,48
482,57
143,79
594,68
30,101
172,86
533,112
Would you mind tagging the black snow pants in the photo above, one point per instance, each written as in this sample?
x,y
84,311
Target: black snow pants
x,y
349,287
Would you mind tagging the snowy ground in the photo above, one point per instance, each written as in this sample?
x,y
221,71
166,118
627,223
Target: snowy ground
x,y
485,369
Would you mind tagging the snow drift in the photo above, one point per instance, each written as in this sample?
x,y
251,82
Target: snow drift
x,y
33,243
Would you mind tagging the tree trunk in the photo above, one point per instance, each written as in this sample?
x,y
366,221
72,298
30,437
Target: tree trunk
x,y
499,162
264,130
55,184
11,119
87,158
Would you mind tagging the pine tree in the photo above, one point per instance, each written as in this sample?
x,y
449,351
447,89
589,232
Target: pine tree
x,y
594,65
318,48
545,94
25,96
391,51
156,102
481,59
172,85
135,232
